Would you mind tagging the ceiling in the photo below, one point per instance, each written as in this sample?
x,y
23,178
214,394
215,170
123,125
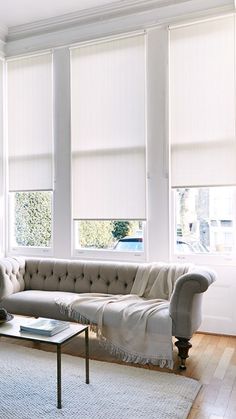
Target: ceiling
x,y
19,12
24,18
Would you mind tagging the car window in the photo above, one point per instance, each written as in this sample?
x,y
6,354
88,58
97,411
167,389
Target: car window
x,y
183,247
129,246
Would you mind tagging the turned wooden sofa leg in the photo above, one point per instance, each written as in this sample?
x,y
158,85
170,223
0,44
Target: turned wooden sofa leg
x,y
183,346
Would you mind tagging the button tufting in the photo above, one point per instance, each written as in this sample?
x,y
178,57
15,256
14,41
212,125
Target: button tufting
x,y
116,277
99,276
126,285
91,282
108,283
74,280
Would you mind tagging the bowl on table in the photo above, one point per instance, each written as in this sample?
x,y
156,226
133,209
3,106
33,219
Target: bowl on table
x,y
5,316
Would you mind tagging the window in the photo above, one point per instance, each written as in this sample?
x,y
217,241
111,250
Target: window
x,y
108,140
30,150
31,219
200,220
202,136
115,235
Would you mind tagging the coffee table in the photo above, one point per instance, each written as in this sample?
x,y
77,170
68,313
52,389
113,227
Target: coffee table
x,y
11,329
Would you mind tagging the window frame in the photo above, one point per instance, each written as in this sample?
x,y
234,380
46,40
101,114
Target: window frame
x,y
25,250
212,259
156,240
111,254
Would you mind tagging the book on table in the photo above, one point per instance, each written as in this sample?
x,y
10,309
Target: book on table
x,y
45,327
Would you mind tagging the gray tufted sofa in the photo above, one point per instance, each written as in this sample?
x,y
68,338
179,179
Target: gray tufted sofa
x,y
30,287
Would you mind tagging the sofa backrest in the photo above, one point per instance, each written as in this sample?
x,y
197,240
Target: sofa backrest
x,y
79,276
12,272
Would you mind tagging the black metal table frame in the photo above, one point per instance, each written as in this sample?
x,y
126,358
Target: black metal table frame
x,y
59,345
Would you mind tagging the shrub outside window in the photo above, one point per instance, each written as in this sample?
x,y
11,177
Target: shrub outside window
x,y
30,219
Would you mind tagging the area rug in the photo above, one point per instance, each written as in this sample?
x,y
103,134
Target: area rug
x,y
28,388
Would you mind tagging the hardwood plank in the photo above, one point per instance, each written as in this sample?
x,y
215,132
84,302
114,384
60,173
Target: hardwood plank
x,y
224,363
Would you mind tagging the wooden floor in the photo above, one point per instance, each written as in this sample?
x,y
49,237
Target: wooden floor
x,y
212,361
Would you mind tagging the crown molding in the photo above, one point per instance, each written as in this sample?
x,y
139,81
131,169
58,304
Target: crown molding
x,y
2,49
3,36
3,32
157,13
119,9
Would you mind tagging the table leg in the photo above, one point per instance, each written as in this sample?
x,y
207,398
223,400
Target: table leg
x,y
59,376
87,355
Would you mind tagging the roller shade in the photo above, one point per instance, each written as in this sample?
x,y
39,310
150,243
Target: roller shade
x,y
108,130
1,141
30,136
202,104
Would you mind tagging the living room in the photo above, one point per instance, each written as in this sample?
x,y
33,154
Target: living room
x,y
117,143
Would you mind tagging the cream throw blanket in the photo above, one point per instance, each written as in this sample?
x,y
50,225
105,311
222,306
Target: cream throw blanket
x,y
136,327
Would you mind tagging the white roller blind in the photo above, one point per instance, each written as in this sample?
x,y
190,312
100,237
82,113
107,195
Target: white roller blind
x,y
108,130
2,221
30,137
202,104
1,140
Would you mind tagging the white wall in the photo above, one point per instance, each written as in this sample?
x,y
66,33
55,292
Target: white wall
x,y
2,177
219,307
157,145
62,188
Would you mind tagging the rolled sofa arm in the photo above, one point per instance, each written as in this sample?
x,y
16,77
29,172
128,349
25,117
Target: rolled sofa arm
x,y
186,301
11,276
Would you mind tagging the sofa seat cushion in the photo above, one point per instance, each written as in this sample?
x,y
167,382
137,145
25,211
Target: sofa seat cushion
x,y
96,309
112,318
43,304
35,303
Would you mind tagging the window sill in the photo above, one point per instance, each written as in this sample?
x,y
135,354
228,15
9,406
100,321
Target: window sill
x,y
109,255
30,251
206,259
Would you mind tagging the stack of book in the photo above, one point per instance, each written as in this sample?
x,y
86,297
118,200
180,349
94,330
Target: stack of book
x,y
45,327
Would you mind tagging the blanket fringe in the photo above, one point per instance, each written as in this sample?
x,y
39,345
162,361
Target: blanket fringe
x,y
110,347
134,358
75,315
